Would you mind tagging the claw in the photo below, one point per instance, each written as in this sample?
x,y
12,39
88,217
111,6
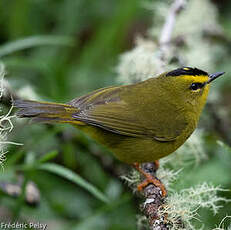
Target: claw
x,y
150,180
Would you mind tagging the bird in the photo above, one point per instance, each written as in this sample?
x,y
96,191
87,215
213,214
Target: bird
x,y
140,122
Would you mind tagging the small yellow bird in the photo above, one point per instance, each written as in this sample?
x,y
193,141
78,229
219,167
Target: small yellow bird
x,y
141,122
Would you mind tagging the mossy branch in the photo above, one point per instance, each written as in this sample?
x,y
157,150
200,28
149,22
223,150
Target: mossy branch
x,y
154,202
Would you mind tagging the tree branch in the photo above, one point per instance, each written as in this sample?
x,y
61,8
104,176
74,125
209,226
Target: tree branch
x,y
166,33
153,200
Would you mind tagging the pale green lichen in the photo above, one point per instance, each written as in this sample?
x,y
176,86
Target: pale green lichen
x,y
186,204
201,52
132,179
27,92
221,226
4,129
2,74
6,124
191,153
139,63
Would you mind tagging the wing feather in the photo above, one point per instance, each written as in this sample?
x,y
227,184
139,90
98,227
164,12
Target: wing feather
x,y
107,110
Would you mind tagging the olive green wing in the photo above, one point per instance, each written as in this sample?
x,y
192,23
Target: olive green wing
x,y
104,108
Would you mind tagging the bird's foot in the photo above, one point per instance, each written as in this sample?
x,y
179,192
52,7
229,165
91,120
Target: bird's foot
x,y
150,179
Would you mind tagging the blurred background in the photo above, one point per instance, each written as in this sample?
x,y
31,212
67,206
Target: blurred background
x,y
58,50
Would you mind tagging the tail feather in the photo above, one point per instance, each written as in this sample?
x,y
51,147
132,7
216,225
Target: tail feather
x,y
45,111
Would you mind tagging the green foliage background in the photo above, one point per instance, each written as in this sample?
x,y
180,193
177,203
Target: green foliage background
x,y
63,49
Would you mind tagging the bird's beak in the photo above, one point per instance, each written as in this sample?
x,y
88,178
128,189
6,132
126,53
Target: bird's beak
x,y
213,76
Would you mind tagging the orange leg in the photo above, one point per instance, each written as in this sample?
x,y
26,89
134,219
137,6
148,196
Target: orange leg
x,y
157,164
149,179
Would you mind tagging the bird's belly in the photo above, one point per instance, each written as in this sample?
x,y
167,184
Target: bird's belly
x,y
143,150
132,149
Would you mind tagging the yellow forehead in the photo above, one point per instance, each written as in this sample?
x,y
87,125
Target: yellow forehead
x,y
192,78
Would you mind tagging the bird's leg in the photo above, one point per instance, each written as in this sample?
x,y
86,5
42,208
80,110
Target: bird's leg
x,y
149,179
157,164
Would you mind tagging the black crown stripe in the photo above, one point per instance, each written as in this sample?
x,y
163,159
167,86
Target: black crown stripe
x,y
186,71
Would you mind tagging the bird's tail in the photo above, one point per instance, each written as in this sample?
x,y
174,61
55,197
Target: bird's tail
x,y
46,112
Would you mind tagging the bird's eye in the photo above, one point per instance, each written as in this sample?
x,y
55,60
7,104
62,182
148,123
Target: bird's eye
x,y
196,86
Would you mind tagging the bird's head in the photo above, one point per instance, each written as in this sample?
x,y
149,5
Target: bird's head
x,y
189,85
